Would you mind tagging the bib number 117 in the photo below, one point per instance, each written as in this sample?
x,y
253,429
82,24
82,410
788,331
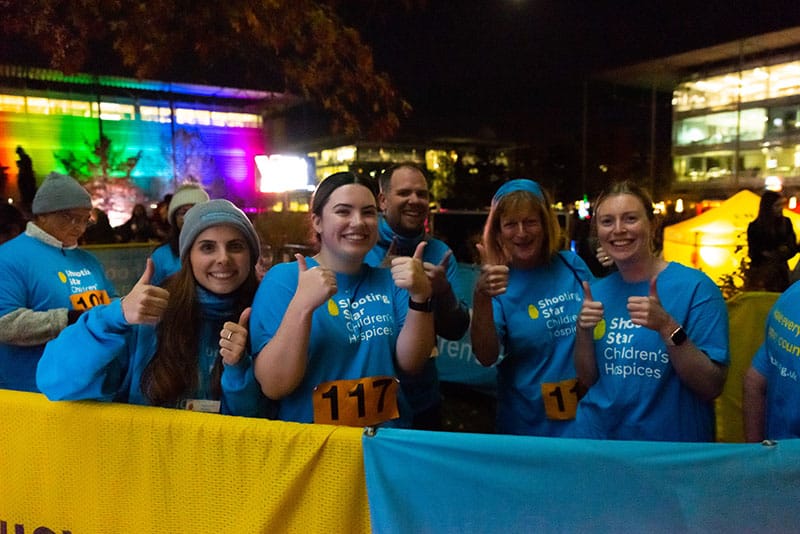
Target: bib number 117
x,y
361,402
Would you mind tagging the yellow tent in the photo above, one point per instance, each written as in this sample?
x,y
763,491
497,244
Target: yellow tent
x,y
709,241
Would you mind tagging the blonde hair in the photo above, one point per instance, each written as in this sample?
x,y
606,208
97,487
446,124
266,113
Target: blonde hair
x,y
517,202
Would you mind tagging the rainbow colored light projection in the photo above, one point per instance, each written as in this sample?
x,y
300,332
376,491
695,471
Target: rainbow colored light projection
x,y
209,150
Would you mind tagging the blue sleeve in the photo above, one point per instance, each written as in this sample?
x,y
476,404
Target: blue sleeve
x,y
707,322
89,359
760,360
241,394
13,285
270,302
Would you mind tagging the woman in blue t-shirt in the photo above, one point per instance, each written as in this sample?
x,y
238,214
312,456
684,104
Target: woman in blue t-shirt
x,y
652,340
525,305
183,345
329,331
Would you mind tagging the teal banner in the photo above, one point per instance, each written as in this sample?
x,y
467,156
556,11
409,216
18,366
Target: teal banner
x,y
456,363
444,482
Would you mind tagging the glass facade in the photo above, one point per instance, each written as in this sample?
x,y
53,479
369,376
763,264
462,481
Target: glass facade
x,y
736,129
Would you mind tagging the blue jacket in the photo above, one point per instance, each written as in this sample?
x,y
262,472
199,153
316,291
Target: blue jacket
x,y
102,357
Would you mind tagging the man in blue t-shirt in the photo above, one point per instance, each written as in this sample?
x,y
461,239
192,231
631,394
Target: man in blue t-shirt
x,y
404,200
47,280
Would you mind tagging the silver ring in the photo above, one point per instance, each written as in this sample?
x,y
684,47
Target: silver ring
x,y
230,335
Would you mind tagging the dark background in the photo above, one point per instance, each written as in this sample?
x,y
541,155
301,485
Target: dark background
x,y
510,68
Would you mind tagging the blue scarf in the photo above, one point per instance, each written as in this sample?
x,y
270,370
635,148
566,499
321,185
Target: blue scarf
x,y
214,311
404,246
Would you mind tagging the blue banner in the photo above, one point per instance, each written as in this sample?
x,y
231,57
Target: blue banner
x,y
442,482
456,363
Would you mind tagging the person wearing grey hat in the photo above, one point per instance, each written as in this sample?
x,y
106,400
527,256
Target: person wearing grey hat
x,y
166,257
47,280
183,345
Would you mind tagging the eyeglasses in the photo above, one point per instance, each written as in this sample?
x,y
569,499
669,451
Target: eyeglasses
x,y
74,219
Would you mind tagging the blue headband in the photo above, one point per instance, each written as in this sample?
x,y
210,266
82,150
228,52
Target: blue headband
x,y
518,185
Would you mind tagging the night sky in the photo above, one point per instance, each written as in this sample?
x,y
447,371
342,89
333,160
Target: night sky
x,y
509,66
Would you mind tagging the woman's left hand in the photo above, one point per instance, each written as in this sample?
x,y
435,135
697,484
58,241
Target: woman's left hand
x,y
648,311
233,339
409,274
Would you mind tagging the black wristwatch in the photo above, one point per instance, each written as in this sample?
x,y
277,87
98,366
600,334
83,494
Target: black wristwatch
x,y
426,306
678,337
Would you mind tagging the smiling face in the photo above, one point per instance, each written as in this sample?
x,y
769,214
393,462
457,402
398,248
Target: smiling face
x,y
347,227
220,259
405,204
624,228
522,236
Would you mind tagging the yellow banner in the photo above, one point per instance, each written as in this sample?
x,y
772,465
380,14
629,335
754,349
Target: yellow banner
x,y
86,467
747,316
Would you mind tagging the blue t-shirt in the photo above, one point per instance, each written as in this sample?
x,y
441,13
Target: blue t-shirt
x,y
535,322
40,277
778,360
638,395
421,390
165,264
353,335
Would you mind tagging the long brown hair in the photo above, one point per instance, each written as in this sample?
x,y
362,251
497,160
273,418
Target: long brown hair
x,y
173,371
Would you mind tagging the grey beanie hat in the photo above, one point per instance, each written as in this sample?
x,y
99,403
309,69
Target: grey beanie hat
x,y
186,194
60,192
213,213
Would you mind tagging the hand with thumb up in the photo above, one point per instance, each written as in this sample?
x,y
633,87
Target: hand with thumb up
x,y
145,304
233,339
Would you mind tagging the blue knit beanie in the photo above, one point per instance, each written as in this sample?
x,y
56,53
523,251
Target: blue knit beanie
x,y
214,213
60,192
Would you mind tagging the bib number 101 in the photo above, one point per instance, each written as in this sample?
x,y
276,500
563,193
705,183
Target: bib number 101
x,y
361,402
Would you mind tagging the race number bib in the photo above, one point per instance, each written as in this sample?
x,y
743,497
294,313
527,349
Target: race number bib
x,y
362,402
89,299
560,399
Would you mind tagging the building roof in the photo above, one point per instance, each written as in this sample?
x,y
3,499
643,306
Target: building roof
x,y
39,78
666,73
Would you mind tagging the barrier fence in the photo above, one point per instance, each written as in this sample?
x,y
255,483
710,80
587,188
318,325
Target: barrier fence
x,y
88,467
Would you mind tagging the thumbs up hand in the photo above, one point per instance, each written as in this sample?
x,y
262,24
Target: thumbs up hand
x,y
591,310
233,339
315,285
648,311
145,304
408,273
493,279
437,274
391,253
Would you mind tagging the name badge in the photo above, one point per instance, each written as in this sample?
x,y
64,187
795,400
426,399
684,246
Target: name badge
x,y
203,405
560,399
89,299
362,402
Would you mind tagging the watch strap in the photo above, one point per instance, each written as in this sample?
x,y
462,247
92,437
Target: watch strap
x,y
426,306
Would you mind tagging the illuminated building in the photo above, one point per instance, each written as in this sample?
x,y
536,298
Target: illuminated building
x,y
183,131
735,113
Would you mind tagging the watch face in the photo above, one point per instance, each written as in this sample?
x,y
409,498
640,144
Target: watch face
x,y
678,336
